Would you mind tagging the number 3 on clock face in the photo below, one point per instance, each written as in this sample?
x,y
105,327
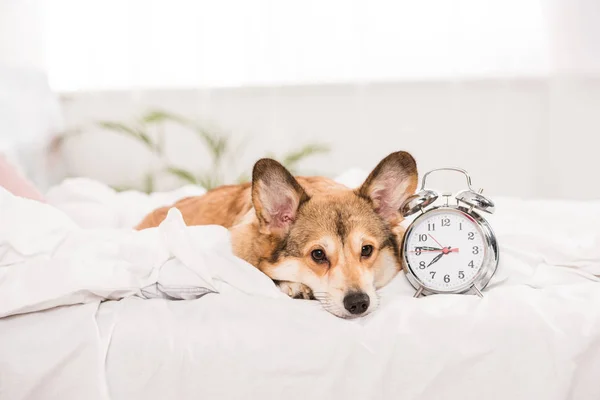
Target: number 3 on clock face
x,y
445,250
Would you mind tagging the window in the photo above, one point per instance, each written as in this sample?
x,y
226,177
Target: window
x,y
110,44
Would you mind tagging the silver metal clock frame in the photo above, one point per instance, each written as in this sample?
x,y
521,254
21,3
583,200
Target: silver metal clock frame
x,y
473,200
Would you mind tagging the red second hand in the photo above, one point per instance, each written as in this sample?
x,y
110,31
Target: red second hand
x,y
446,250
433,251
439,244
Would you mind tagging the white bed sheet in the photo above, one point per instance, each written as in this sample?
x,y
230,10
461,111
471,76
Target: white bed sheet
x,y
535,334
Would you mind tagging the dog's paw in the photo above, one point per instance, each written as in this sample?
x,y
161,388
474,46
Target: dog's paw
x,y
295,290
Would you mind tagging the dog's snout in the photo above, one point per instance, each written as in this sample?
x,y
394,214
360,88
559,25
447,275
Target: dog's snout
x,y
357,302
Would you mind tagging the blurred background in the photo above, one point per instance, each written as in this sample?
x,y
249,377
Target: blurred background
x,y
154,94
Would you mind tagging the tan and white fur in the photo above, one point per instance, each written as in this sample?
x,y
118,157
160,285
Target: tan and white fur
x,y
314,237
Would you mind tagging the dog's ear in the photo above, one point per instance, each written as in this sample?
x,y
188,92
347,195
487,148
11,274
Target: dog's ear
x,y
276,196
390,184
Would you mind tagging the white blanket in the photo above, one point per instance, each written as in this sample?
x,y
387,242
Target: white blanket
x,y
535,334
48,261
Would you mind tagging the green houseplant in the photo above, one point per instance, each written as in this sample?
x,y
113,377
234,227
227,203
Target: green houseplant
x,y
149,130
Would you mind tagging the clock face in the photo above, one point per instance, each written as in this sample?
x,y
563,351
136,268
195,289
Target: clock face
x,y
445,249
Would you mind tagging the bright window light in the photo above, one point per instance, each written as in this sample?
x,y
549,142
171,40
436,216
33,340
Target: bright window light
x,y
115,44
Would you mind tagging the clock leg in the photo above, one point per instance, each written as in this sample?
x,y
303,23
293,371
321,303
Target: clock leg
x,y
477,291
418,293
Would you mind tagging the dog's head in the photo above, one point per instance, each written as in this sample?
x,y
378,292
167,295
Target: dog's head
x,y
341,243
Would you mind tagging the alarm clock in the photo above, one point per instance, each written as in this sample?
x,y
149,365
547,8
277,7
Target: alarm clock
x,y
449,248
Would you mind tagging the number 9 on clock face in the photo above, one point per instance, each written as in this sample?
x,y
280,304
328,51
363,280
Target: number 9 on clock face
x,y
445,250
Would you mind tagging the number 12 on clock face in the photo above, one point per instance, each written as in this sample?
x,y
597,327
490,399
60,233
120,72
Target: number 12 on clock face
x,y
445,222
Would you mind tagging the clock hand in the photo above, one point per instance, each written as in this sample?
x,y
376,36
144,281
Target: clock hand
x,y
428,248
436,241
445,250
449,249
419,249
436,259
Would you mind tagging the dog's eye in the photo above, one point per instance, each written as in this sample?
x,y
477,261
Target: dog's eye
x,y
366,250
318,255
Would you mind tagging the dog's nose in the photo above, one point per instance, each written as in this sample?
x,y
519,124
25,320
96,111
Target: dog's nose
x,y
357,302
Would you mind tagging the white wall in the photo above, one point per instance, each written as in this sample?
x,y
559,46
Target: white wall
x,y
21,41
527,138
29,111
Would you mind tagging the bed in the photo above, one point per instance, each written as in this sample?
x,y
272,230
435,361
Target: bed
x,y
90,309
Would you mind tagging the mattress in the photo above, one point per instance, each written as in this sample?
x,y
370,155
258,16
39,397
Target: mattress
x,y
93,310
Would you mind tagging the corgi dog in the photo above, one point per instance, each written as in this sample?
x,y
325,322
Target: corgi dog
x,y
316,238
